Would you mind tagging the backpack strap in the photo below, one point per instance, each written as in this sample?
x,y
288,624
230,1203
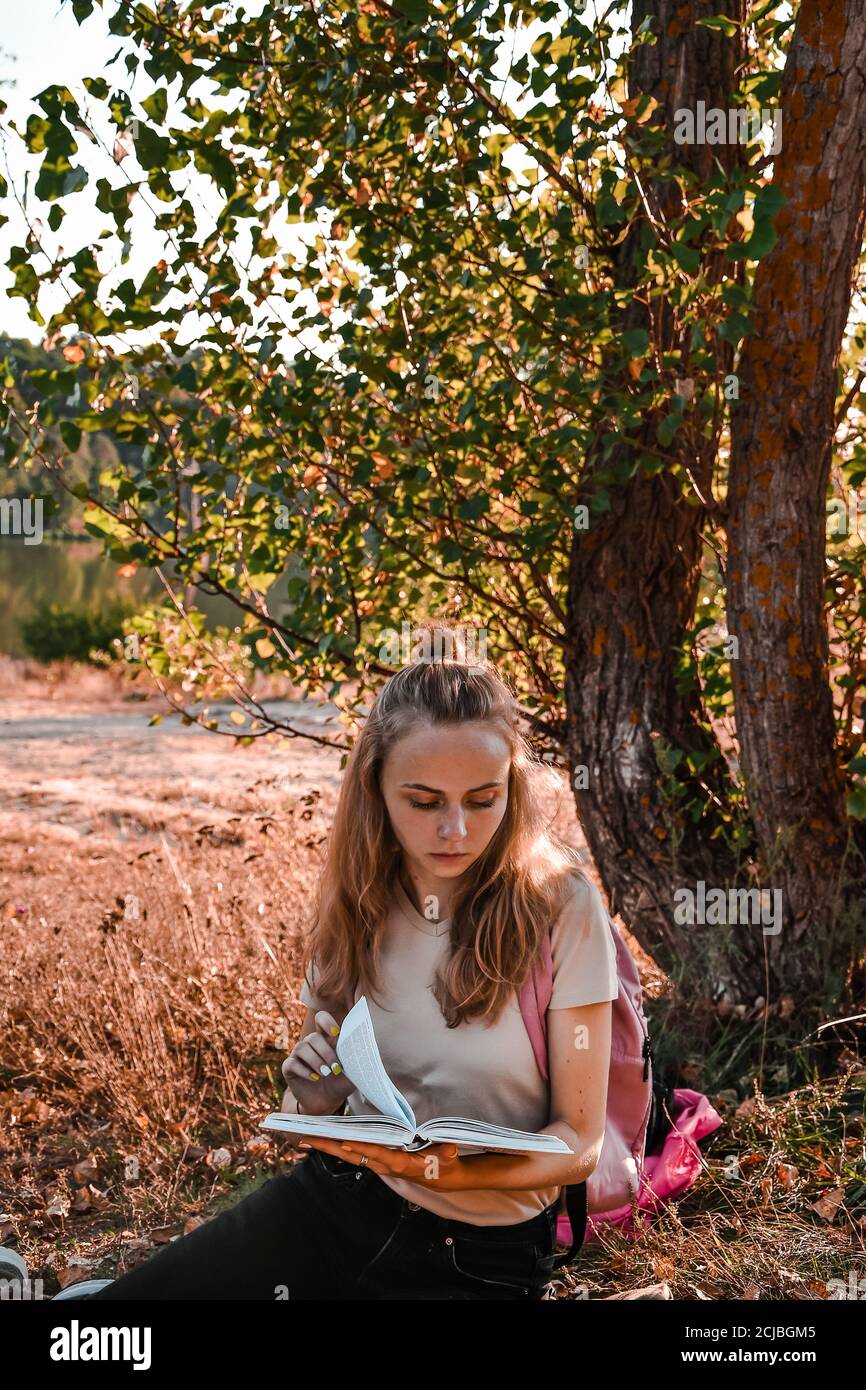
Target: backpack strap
x,y
575,1201
534,999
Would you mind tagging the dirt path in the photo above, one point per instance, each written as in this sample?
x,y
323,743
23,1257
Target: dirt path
x,y
78,773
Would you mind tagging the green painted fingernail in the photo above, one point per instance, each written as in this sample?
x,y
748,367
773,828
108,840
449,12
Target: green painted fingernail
x,y
336,1069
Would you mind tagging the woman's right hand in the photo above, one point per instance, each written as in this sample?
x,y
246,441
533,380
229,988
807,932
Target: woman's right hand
x,y
308,1056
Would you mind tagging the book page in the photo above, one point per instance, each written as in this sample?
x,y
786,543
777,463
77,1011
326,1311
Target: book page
x,y
478,1133
358,1053
361,1129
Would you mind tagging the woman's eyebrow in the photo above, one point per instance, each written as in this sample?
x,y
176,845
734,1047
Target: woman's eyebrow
x,y
437,791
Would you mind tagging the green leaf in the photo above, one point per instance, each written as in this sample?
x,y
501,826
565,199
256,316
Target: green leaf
x,y
762,240
636,342
562,135
735,328
97,87
75,180
668,427
70,434
266,347
473,508
686,256
721,22
416,10
156,105
768,202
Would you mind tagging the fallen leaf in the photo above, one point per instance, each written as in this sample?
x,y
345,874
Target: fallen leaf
x,y
84,1172
35,1111
829,1203
786,1176
163,1235
218,1158
74,1273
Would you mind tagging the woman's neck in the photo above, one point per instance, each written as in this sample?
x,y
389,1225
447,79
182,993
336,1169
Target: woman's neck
x,y
421,887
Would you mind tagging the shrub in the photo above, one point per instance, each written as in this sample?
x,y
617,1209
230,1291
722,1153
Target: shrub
x,y
57,630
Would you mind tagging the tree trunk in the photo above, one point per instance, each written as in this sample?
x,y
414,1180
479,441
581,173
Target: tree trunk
x,y
634,576
782,436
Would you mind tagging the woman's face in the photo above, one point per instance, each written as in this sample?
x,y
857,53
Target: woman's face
x,y
446,790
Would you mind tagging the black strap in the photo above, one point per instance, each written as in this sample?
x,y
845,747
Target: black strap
x,y
575,1201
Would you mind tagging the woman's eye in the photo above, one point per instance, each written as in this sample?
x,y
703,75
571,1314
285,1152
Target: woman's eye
x,y
430,805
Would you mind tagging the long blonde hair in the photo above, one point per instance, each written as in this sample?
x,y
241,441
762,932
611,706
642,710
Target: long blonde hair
x,y
507,898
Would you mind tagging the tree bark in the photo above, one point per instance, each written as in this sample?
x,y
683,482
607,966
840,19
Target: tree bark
x,y
634,574
782,437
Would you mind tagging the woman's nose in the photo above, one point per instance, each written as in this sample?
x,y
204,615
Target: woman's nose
x,y
453,824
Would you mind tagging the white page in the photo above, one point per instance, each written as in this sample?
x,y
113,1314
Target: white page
x,y
359,1056
373,1129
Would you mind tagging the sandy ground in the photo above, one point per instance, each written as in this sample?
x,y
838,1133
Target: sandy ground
x,y
83,776
87,781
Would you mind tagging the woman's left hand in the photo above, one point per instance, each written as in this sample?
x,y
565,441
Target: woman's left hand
x,y
438,1165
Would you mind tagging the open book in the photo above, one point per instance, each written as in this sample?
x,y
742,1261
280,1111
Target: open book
x,y
396,1126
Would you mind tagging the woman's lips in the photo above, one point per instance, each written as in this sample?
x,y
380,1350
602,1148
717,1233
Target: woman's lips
x,y
434,855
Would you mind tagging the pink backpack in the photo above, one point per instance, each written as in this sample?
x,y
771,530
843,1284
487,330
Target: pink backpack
x,y
626,1176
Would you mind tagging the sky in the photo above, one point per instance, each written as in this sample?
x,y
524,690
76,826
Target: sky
x,y
41,44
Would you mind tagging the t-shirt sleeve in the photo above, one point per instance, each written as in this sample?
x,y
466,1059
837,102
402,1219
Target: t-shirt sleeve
x,y
584,954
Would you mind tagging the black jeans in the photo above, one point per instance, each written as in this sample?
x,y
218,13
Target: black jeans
x,y
328,1229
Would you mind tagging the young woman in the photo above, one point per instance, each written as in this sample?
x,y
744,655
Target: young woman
x,y
441,877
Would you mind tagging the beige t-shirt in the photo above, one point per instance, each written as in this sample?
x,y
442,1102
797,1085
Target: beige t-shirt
x,y
476,1070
